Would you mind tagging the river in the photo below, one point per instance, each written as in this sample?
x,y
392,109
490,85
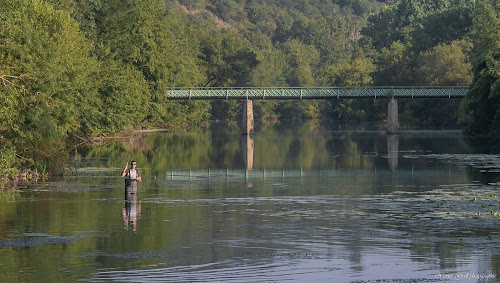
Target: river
x,y
297,202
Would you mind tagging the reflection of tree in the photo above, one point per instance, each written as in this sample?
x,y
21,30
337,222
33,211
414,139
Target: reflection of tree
x,y
495,265
304,145
299,146
355,151
193,220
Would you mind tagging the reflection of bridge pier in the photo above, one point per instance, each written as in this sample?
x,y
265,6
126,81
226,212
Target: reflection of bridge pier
x,y
248,149
392,151
392,130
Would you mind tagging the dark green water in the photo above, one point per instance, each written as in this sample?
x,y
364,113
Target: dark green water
x,y
290,203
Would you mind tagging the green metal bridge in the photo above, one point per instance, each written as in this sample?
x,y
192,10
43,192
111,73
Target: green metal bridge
x,y
252,93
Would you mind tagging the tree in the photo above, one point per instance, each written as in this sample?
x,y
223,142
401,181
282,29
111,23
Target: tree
x,y
124,93
480,109
357,71
271,69
87,13
269,73
393,64
381,28
302,60
422,43
445,64
45,59
227,60
443,26
158,44
419,22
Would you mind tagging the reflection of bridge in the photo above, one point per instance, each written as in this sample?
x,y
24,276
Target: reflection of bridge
x,y
263,174
392,151
249,94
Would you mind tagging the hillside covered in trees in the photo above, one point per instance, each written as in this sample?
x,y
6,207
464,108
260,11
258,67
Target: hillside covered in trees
x,y
92,67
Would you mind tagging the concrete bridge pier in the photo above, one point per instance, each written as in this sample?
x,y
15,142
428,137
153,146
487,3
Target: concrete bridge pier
x,y
247,123
392,126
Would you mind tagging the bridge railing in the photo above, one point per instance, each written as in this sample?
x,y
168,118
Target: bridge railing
x,y
318,92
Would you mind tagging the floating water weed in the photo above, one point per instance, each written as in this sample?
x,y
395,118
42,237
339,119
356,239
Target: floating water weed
x,y
494,213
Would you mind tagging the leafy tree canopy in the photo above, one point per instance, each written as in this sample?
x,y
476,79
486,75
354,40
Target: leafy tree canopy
x,y
480,110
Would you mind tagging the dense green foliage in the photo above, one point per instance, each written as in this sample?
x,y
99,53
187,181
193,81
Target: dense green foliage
x,y
422,43
91,67
481,107
45,68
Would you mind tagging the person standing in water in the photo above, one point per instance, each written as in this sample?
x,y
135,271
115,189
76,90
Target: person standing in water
x,y
132,176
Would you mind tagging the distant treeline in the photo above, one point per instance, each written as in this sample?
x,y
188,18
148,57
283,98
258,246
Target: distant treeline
x,y
91,67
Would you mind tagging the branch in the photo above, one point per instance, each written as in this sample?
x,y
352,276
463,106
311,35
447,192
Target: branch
x,y
7,80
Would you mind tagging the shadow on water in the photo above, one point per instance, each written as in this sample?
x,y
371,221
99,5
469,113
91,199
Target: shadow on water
x,y
292,203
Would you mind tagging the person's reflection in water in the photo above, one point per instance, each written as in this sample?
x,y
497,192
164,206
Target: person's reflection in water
x,y
132,210
131,213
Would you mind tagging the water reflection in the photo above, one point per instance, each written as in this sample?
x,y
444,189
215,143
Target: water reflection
x,y
248,149
131,212
302,147
294,203
392,151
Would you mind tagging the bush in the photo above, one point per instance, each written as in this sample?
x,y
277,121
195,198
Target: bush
x,y
9,162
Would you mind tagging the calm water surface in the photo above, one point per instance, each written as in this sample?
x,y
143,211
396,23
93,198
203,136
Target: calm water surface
x,y
290,203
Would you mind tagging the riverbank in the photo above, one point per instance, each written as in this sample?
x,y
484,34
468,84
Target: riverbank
x,y
16,170
22,178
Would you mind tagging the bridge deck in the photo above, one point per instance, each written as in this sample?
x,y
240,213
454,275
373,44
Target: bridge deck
x,y
317,92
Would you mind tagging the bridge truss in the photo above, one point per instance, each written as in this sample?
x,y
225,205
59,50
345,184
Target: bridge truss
x,y
318,92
